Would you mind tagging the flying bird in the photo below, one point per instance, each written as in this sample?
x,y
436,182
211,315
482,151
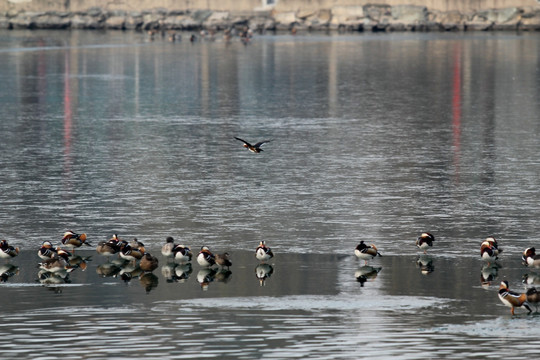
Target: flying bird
x,y
253,148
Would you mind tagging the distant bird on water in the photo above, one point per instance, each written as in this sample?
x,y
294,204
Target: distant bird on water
x,y
366,252
205,258
7,251
263,252
253,148
424,241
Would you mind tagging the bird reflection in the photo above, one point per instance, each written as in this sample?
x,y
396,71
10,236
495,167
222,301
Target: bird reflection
x,y
533,297
205,277
263,271
129,271
366,273
489,273
425,264
53,278
173,272
223,275
7,271
531,278
149,281
79,262
108,270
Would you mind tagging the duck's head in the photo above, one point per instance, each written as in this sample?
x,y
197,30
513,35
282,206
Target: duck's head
x,y
529,252
47,244
491,240
504,285
169,239
426,235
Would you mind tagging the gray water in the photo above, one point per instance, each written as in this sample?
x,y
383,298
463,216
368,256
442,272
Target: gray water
x,y
375,137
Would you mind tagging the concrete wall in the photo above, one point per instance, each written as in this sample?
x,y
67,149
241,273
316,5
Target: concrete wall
x,y
250,5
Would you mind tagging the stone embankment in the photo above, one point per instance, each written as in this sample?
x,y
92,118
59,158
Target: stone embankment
x,y
340,18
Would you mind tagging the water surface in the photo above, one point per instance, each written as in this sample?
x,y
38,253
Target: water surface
x,y
375,137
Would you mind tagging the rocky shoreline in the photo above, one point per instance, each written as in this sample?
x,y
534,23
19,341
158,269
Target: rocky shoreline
x,y
339,18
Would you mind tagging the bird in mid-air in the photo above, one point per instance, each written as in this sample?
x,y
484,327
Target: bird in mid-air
x,y
253,148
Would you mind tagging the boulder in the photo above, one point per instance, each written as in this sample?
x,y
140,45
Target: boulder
x,y
151,21
217,20
347,15
285,18
409,14
80,21
478,23
24,20
500,15
448,21
115,23
262,24
133,21
52,21
376,12
174,22
530,19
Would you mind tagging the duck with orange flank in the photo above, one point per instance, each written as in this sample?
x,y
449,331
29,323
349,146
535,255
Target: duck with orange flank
x,y
205,257
488,252
512,299
493,242
74,240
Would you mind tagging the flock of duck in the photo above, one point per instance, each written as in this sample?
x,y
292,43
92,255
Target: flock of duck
x,y
132,258
58,261
489,252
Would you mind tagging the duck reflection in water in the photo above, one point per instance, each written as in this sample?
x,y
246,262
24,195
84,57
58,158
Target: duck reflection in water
x,y
129,271
425,264
223,275
366,273
263,271
148,281
205,277
531,279
489,273
7,271
533,297
79,262
173,272
109,269
52,280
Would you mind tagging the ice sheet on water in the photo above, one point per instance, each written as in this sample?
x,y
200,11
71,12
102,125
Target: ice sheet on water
x,y
309,303
498,327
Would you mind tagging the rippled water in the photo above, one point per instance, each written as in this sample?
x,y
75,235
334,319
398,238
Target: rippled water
x,y
374,137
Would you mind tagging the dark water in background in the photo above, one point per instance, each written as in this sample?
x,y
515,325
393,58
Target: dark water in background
x,y
374,137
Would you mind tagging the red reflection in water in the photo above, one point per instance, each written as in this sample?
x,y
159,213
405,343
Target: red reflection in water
x,y
456,109
67,118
